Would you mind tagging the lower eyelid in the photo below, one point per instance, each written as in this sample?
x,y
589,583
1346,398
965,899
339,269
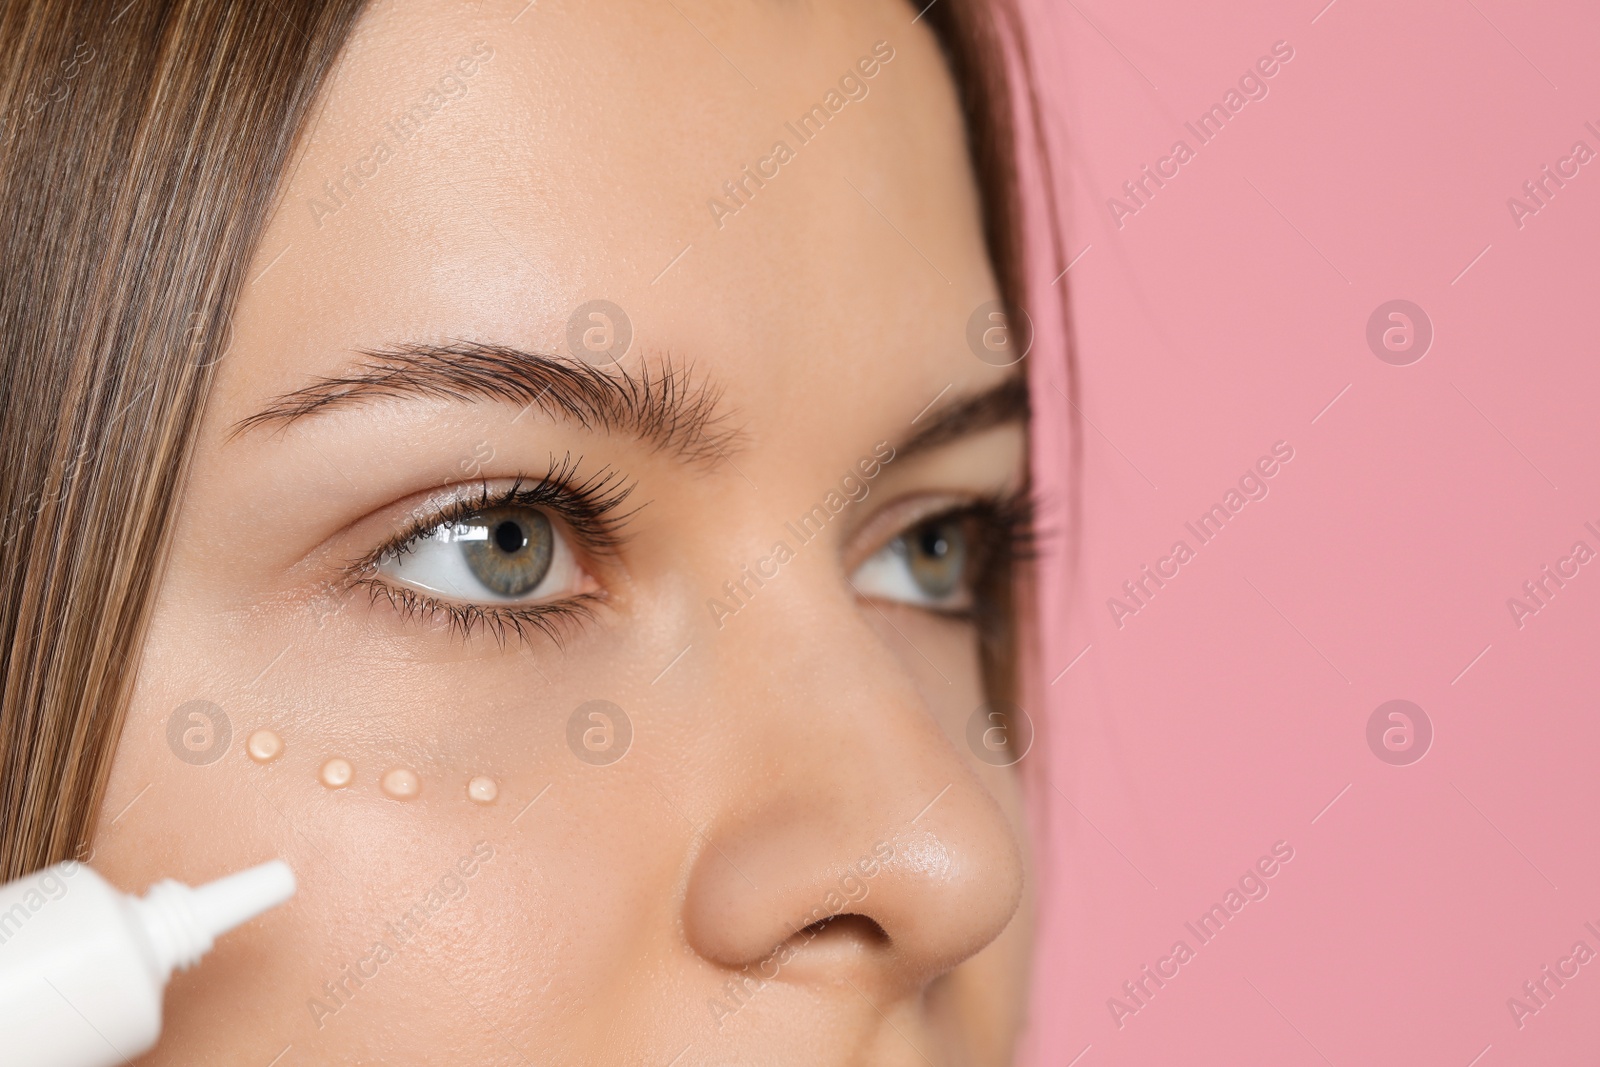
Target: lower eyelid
x,y
555,621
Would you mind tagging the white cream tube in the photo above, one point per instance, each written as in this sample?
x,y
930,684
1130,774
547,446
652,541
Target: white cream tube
x,y
83,967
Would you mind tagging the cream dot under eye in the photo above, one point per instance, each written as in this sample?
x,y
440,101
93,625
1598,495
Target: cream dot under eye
x,y
483,790
264,746
401,783
337,773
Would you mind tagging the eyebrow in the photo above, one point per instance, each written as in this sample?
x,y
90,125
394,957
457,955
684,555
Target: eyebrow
x,y
1004,404
660,403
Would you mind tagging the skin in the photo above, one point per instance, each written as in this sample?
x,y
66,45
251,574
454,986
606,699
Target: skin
x,y
774,749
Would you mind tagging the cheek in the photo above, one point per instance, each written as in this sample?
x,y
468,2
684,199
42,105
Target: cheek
x,y
940,656
381,770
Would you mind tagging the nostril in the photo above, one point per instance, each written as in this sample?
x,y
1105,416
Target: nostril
x,y
846,927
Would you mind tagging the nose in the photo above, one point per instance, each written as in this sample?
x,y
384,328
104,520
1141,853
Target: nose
x,y
860,844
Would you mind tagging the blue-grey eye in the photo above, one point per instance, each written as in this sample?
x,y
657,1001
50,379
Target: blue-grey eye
x,y
509,550
925,566
498,555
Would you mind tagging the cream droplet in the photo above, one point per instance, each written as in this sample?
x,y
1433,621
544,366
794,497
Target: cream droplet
x,y
264,746
483,790
337,773
402,784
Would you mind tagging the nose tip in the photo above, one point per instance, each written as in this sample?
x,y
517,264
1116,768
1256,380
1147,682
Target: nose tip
x,y
951,886
922,896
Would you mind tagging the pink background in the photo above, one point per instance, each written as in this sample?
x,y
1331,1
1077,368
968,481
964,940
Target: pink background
x,y
1224,316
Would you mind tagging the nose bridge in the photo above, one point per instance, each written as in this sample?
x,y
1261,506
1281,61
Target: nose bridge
x,y
819,696
850,800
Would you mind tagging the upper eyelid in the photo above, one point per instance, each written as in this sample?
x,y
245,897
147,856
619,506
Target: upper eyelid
x,y
904,515
1012,507
590,508
454,513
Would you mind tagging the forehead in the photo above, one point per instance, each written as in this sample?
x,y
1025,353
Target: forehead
x,y
776,192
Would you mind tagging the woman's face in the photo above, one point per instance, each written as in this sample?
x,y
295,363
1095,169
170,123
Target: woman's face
x,y
601,470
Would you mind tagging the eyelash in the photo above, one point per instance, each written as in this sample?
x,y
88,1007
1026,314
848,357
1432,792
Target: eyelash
x,y
590,507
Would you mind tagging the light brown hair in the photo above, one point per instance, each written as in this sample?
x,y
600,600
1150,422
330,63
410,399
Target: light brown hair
x,y
141,148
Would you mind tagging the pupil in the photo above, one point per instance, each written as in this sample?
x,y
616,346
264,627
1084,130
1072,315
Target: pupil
x,y
934,543
509,538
